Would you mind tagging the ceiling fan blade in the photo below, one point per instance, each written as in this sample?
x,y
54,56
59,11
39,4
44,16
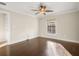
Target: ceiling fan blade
x,y
44,13
41,4
2,3
49,10
36,13
34,10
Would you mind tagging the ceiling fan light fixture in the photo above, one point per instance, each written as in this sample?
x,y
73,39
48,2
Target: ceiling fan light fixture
x,y
42,9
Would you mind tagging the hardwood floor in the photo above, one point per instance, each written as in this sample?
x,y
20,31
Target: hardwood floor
x,y
73,48
3,51
35,47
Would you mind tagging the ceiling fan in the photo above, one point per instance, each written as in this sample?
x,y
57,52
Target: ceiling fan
x,y
42,9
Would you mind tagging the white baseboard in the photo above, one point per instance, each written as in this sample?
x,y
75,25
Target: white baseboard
x,y
73,41
22,39
17,41
35,36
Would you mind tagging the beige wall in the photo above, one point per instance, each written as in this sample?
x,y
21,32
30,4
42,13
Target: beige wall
x,y
23,27
67,27
2,27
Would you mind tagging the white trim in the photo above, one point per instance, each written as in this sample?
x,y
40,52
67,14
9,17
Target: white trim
x,y
64,12
67,11
67,40
73,41
17,12
17,41
4,12
7,26
23,39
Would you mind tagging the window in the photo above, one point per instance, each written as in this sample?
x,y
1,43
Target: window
x,y
51,28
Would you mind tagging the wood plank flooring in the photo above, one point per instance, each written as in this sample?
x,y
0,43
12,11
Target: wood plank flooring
x,y
73,48
35,47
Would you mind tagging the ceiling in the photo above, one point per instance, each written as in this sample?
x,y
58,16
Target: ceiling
x,y
25,7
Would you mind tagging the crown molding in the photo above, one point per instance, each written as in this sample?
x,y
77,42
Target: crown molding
x,y
59,13
8,10
66,11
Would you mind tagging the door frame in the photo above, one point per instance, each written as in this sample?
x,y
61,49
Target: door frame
x,y
7,26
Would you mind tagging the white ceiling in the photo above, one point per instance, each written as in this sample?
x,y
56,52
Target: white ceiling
x,y
25,7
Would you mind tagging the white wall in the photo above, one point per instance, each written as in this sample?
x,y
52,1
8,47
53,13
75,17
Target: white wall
x,y
2,27
23,27
67,27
